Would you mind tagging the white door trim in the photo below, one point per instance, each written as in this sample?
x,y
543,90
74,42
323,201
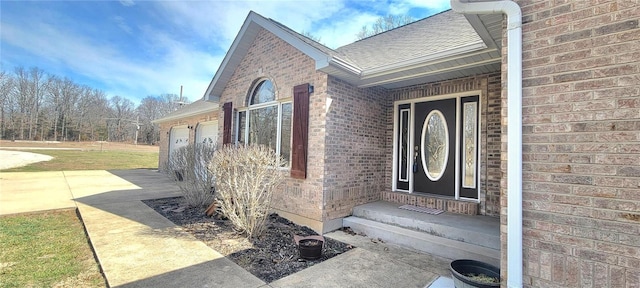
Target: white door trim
x,y
458,118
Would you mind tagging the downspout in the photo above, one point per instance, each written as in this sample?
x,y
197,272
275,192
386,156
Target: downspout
x,y
514,122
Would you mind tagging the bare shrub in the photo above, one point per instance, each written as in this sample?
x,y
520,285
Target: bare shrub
x,y
188,166
246,178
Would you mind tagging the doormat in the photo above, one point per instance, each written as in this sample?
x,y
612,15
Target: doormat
x,y
421,209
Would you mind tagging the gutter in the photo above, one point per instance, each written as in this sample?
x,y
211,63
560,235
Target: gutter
x,y
514,122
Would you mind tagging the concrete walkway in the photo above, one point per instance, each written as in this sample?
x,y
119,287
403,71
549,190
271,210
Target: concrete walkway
x,y
137,247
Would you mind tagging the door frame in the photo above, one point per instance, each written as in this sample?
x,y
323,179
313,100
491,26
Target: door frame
x,y
457,171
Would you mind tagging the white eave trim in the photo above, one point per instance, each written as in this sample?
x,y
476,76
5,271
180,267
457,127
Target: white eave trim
x,y
428,73
344,66
438,57
185,115
321,58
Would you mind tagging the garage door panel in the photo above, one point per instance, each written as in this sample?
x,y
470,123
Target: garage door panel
x,y
207,132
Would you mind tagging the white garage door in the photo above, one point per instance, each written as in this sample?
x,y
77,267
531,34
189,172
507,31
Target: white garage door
x,y
207,132
179,137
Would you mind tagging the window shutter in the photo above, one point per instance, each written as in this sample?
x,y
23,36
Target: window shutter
x,y
226,134
300,131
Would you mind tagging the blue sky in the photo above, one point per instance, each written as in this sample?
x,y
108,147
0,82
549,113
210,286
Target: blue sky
x,y
135,48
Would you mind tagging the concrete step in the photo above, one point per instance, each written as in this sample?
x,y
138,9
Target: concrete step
x,y
447,235
477,230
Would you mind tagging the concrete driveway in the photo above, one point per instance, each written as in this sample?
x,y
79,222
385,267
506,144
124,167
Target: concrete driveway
x,y
137,247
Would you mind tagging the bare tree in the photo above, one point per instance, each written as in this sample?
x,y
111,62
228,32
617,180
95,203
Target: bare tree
x,y
95,108
29,92
63,94
150,108
35,105
384,23
312,37
122,115
6,102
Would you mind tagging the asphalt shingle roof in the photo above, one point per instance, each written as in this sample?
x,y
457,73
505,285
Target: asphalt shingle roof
x,y
438,33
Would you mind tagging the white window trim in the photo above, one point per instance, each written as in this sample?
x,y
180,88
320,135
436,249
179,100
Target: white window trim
x,y
475,147
396,126
247,120
409,147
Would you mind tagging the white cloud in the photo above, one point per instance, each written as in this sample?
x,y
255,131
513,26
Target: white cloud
x,y
127,3
343,31
189,53
403,6
122,24
123,76
220,21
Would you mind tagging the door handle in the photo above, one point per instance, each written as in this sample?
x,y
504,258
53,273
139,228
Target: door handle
x,y
415,160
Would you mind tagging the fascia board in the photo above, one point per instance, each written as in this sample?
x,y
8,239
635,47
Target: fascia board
x,y
461,51
185,115
344,66
391,78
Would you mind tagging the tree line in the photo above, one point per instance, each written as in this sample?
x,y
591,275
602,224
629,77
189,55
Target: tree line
x,y
39,106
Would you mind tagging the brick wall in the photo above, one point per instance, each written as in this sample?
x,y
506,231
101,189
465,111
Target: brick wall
x,y
165,130
355,147
270,57
490,174
581,144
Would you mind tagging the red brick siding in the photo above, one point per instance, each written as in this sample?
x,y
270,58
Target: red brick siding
x,y
272,58
581,133
355,147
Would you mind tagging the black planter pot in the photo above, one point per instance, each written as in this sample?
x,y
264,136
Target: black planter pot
x,y
310,249
460,268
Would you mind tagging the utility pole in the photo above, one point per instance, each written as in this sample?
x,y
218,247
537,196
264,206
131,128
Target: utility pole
x,y
134,122
135,140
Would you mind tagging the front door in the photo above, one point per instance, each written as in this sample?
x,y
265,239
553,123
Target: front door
x,y
437,146
434,147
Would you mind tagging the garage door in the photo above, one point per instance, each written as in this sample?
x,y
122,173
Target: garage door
x,y
179,137
207,132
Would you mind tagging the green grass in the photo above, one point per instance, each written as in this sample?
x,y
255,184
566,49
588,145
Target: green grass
x,y
90,160
46,249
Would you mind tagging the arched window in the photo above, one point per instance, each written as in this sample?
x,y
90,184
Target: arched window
x,y
263,93
266,121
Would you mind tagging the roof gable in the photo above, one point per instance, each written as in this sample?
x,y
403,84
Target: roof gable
x,y
254,22
443,46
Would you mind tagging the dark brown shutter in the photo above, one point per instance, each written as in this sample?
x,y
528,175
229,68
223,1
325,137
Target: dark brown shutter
x,y
300,131
226,132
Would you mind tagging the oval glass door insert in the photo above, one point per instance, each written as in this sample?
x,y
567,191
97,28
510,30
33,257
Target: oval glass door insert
x,y
435,145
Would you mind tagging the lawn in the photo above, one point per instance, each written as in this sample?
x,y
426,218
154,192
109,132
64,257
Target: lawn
x,y
45,250
90,160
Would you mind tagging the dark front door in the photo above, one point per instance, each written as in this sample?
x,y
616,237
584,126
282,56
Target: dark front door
x,y
434,147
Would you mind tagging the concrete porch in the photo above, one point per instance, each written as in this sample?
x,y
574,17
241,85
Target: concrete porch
x,y
448,235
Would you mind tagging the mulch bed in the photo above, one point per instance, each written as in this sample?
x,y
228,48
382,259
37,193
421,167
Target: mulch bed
x,y
271,256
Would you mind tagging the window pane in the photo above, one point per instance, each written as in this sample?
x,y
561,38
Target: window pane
x,y
404,146
263,124
242,124
469,145
285,133
263,93
435,145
